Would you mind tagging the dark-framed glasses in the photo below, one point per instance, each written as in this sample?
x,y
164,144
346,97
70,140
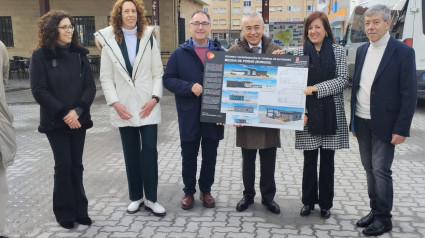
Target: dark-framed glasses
x,y
197,23
65,28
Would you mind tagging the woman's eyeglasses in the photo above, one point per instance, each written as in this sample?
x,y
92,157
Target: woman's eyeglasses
x,y
65,28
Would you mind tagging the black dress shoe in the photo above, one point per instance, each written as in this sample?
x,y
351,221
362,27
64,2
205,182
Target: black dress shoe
x,y
306,209
271,206
85,221
378,227
325,213
67,224
366,220
244,203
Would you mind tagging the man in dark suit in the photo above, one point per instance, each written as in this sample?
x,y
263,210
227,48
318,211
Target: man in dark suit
x,y
383,102
265,141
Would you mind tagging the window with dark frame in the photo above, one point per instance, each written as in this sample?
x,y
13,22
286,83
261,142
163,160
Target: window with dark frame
x,y
6,32
309,8
85,28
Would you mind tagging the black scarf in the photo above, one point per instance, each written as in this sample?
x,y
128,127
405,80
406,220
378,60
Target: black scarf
x,y
322,67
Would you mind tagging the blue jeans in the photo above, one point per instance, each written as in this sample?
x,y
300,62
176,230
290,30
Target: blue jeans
x,y
377,156
190,150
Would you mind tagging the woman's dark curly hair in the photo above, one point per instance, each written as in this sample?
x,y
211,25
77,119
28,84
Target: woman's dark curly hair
x,y
116,18
48,31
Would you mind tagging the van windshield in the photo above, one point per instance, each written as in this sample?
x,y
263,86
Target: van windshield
x,y
357,33
397,22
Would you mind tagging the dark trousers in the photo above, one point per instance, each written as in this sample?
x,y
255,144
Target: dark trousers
x,y
377,157
69,198
310,194
267,169
141,161
190,150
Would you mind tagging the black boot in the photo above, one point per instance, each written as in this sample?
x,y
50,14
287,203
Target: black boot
x,y
67,224
244,203
378,227
325,213
366,220
306,209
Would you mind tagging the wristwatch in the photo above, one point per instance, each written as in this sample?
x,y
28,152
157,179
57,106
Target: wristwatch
x,y
156,98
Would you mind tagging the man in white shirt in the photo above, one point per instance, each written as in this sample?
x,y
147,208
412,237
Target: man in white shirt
x,y
383,101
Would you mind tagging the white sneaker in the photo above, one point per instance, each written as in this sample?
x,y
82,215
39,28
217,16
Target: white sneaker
x,y
155,208
135,206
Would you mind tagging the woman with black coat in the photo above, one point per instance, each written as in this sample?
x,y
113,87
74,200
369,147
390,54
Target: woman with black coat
x,y
62,83
325,126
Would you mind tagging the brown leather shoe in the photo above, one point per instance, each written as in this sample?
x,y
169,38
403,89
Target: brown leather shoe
x,y
187,201
207,200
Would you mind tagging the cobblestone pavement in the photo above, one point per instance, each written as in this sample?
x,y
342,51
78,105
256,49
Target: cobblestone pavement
x,y
30,180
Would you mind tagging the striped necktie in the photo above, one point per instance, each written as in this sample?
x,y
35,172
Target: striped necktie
x,y
255,49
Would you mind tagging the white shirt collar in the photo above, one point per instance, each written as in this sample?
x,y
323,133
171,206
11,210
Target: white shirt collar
x,y
259,45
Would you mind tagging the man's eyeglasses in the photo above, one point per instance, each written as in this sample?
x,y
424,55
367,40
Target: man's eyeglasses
x,y
256,28
65,28
197,23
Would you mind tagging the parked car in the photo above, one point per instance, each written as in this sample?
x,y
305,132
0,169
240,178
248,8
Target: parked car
x,y
224,43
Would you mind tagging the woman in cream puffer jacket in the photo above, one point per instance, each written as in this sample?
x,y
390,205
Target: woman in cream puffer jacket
x,y
131,77
131,91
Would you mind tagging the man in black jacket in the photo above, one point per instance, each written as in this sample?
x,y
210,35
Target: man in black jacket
x,y
183,77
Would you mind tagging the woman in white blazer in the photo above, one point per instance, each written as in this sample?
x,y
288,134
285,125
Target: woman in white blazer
x,y
131,77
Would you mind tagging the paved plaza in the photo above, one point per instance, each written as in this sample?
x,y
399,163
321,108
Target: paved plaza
x,y
30,181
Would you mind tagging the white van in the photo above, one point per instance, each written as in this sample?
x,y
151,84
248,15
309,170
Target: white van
x,y
407,25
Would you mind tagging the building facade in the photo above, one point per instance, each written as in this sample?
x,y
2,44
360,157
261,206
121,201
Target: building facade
x,y
339,13
18,21
226,15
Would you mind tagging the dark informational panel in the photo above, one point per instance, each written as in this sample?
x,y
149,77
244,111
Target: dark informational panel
x,y
254,89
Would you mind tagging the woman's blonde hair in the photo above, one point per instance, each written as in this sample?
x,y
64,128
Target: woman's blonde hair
x,y
116,18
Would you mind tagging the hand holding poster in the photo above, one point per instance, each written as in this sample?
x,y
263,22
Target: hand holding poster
x,y
254,90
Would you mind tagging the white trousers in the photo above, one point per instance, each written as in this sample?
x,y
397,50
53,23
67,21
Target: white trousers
x,y
3,198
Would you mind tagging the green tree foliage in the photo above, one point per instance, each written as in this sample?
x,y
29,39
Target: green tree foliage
x,y
284,36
